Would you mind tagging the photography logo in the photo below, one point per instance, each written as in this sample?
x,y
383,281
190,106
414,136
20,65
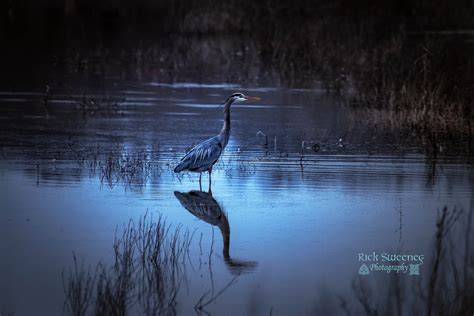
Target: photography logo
x,y
364,270
390,263
414,269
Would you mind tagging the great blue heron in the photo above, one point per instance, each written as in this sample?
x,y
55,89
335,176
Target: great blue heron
x,y
205,207
204,155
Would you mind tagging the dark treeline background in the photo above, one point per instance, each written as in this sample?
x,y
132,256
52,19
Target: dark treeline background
x,y
288,41
48,21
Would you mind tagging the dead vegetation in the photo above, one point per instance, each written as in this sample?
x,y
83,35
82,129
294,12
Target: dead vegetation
x,y
147,273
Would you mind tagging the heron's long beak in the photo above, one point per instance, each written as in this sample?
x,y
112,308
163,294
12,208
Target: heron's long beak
x,y
252,98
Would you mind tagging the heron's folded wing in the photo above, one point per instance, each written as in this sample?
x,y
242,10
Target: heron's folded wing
x,y
202,155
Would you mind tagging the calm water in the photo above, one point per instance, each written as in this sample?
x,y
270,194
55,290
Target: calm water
x,y
76,168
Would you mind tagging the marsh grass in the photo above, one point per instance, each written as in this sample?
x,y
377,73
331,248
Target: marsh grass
x,y
78,287
146,275
126,168
106,106
117,165
409,95
423,109
236,164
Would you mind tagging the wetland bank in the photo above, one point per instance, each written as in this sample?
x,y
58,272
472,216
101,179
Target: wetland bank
x,y
361,144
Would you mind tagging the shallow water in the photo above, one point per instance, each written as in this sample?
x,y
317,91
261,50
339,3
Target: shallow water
x,y
298,215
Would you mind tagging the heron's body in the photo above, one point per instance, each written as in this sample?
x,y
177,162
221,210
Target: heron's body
x,y
203,156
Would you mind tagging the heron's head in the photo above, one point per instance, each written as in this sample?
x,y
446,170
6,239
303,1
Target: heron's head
x,y
239,97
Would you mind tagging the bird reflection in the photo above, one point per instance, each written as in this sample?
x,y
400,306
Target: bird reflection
x,y
205,207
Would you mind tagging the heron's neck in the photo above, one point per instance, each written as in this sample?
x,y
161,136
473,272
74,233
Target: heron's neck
x,y
225,231
225,132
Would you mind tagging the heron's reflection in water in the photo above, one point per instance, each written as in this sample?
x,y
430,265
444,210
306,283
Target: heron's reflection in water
x,y
205,207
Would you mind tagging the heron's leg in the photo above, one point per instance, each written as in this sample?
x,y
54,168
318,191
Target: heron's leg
x,y
210,171
200,186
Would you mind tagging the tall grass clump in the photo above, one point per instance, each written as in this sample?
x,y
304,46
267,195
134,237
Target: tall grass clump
x,y
145,277
409,89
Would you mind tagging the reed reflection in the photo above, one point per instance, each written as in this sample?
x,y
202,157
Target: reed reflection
x,y
205,207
